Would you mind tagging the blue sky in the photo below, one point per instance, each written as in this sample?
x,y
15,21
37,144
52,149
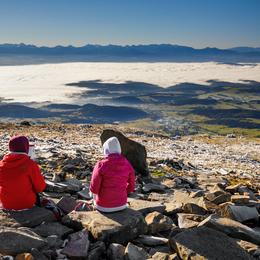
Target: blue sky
x,y
197,23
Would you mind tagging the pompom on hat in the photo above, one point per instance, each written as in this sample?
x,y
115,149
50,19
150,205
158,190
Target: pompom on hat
x,y
19,144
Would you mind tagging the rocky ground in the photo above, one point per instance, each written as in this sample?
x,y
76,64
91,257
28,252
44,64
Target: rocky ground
x,y
201,200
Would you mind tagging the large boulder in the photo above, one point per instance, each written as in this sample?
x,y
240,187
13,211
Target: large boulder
x,y
26,218
205,243
133,151
14,241
232,228
118,227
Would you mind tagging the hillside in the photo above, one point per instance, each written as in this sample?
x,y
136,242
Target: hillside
x,y
201,198
219,107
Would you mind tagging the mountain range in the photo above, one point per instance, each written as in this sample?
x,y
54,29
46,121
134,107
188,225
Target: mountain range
x,y
152,52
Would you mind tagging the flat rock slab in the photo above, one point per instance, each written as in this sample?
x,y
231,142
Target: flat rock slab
x,y
232,228
26,218
239,213
54,228
206,243
118,227
183,197
146,207
14,241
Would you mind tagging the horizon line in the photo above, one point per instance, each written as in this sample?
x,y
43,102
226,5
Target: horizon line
x,y
123,45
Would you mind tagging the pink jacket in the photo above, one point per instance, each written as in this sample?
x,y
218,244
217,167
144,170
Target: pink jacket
x,y
112,179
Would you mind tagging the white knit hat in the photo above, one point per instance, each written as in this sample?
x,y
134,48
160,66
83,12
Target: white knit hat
x,y
111,145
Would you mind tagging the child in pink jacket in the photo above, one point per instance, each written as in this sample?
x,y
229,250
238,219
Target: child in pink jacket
x,y
112,179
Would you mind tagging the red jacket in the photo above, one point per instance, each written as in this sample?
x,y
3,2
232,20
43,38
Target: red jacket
x,y
112,179
20,180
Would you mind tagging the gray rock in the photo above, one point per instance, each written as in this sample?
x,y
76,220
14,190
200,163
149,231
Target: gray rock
x,y
97,251
218,197
26,218
115,252
133,151
54,228
205,243
231,228
151,240
161,197
14,241
160,256
118,227
162,249
77,246
38,255
240,199
55,195
146,207
84,193
54,241
157,222
248,246
193,209
55,187
244,190
241,189
173,208
73,185
233,188
173,257
183,197
239,213
133,252
67,204
198,193
148,187
189,220
70,168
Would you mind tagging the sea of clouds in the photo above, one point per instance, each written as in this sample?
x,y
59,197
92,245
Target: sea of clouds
x,y
47,82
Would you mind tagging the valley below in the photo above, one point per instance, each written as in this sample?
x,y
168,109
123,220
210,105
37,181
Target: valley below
x,y
174,98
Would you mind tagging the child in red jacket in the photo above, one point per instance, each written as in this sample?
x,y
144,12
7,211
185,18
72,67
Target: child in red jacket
x,y
112,179
20,177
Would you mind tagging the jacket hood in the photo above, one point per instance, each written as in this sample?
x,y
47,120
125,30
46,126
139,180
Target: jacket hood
x,y
19,143
111,146
13,160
